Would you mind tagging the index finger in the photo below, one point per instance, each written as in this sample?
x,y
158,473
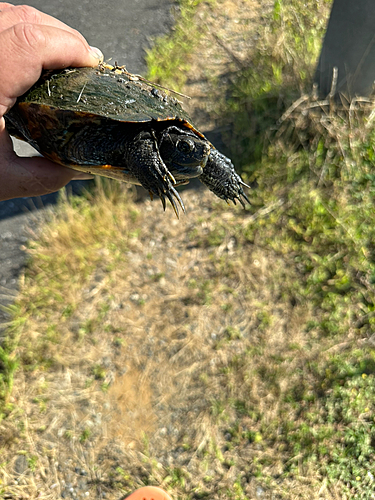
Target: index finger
x,y
15,14
27,49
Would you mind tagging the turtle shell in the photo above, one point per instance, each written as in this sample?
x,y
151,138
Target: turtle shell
x,y
105,91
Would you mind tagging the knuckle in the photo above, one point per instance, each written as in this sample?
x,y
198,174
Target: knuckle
x,y
76,33
28,14
28,36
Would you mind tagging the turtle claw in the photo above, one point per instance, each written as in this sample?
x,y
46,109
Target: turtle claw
x,y
171,177
244,184
172,196
162,197
244,196
164,189
238,197
174,204
179,199
241,193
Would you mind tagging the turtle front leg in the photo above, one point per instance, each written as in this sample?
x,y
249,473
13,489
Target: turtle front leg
x,y
145,163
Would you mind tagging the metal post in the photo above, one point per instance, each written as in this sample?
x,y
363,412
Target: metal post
x,y
349,46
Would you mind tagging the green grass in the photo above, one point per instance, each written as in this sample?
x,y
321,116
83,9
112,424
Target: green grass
x,y
170,59
277,73
8,366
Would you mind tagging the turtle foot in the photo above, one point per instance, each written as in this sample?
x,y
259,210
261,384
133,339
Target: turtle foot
x,y
221,178
150,170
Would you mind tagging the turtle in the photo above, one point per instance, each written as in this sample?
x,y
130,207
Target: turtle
x,y
108,122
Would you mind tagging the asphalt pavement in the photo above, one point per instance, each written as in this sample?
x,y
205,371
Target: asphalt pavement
x,y
123,30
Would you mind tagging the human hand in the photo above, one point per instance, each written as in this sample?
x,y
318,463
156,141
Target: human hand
x,y
31,41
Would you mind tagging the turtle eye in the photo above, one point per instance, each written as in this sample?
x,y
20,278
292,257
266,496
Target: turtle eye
x,y
185,145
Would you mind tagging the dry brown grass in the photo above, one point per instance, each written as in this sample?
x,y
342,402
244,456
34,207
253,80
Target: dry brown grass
x,y
148,337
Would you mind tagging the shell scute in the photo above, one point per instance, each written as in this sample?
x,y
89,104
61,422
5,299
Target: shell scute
x,y
103,93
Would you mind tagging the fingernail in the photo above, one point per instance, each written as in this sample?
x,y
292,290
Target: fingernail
x,y
82,177
97,53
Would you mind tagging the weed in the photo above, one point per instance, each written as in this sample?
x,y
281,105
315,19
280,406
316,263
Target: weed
x,y
8,365
32,461
99,372
176,477
85,435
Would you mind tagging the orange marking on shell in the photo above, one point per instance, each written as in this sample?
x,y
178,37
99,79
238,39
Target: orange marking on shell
x,y
54,157
186,123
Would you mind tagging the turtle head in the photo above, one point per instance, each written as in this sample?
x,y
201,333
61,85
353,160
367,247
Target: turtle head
x,y
184,153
